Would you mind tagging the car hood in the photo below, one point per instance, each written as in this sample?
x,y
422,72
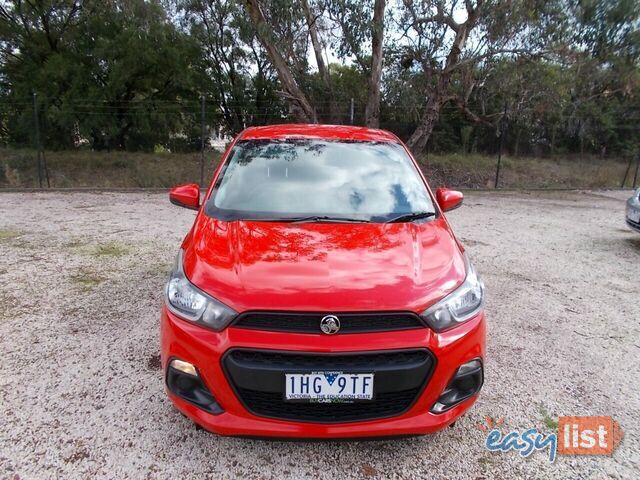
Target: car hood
x,y
323,267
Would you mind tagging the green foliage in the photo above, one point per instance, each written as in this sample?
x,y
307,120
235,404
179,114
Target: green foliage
x,y
117,73
231,68
129,74
550,422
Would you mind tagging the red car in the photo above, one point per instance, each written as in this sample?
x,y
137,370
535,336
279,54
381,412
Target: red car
x,y
321,292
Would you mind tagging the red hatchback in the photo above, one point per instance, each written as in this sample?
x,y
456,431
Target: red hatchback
x,y
321,292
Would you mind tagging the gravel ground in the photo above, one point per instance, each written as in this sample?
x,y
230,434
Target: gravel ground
x,y
81,390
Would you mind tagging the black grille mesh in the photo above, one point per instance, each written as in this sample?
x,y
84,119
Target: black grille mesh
x,y
333,362
310,322
270,404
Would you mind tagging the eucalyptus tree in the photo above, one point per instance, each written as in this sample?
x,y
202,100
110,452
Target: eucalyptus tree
x,y
452,45
283,32
235,72
287,27
361,23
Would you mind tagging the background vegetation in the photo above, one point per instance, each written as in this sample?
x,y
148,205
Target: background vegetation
x,y
554,80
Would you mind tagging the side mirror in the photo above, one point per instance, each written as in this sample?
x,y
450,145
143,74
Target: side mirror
x,y
187,196
448,199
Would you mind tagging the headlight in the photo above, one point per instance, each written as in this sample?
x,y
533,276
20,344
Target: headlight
x,y
460,305
189,302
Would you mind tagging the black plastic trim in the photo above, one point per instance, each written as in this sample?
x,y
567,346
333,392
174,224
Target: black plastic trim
x,y
454,208
455,377
209,405
183,205
633,225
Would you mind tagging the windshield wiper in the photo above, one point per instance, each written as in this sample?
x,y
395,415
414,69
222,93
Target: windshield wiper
x,y
324,219
410,217
309,219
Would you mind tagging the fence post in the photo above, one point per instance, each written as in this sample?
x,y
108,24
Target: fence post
x,y
37,127
351,111
502,128
635,175
626,172
43,134
46,169
202,143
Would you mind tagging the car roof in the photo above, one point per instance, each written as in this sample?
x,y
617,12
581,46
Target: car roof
x,y
329,132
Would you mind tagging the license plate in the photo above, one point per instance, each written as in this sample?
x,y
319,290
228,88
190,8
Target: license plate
x,y
633,215
329,386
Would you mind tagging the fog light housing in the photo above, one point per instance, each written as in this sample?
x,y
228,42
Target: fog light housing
x,y
184,381
465,383
184,367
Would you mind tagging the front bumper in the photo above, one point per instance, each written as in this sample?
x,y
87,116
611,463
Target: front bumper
x,y
206,350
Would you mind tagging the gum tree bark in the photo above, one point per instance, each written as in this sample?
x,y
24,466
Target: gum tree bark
x,y
323,70
440,93
372,111
299,104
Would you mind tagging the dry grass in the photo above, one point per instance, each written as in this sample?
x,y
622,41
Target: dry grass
x,y
85,168
86,279
110,249
8,234
479,171
135,170
8,301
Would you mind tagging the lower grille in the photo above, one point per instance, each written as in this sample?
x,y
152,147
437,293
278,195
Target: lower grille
x,y
310,322
270,404
258,378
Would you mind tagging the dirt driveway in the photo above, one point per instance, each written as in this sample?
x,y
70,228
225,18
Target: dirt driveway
x,y
81,390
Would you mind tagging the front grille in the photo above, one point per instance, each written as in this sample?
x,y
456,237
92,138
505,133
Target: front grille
x,y
310,322
258,378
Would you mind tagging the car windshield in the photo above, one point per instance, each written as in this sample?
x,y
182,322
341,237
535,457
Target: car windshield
x,y
289,179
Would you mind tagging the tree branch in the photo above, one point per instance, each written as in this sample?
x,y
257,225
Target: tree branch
x,y
440,17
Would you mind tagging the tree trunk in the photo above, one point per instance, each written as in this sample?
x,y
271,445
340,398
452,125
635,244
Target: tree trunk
x,y
299,105
372,111
323,70
419,138
439,95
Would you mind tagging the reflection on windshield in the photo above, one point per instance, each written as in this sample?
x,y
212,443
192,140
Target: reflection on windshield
x,y
271,179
